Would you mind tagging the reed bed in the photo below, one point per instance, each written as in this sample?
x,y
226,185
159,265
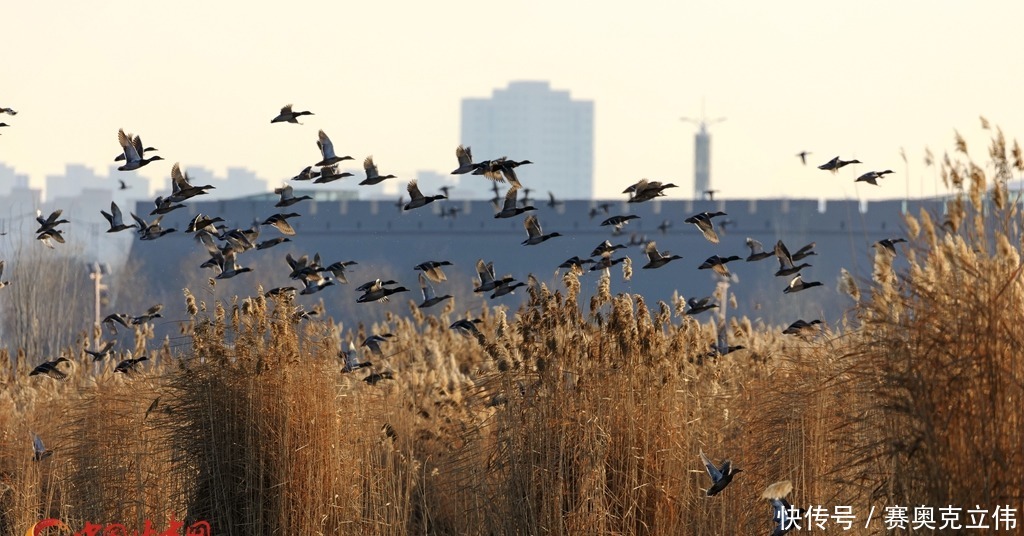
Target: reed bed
x,y
565,418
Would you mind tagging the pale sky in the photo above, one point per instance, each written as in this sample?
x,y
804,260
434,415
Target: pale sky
x,y
201,80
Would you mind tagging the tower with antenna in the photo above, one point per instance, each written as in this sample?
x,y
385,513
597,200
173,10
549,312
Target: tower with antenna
x,y
702,154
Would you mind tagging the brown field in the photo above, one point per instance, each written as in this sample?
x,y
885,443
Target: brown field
x,y
570,419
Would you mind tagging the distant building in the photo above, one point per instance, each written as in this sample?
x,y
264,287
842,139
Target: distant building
x,y
77,178
9,179
530,121
701,162
702,188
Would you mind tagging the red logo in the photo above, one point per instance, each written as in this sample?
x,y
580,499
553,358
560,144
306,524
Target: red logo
x,y
174,528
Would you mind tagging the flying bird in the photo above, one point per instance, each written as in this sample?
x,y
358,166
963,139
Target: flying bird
x,y
783,513
535,235
115,219
372,175
338,269
417,199
151,230
485,272
280,222
102,352
786,265
288,116
757,251
467,328
575,263
872,176
720,476
511,208
378,292
500,170
39,451
506,288
552,202
465,158
327,151
181,188
802,328
50,369
706,226
717,264
430,299
804,252
835,164
697,306
432,269
352,362
618,221
330,174
657,259
605,247
307,174
128,365
797,284
133,151
606,262
803,156
372,343
288,197
644,190
889,244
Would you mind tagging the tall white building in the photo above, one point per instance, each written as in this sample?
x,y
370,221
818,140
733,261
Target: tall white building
x,y
530,121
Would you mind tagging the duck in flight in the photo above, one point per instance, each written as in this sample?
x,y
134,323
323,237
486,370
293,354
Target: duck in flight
x,y
720,476
836,164
133,151
757,251
372,175
417,199
535,235
786,265
465,157
797,284
288,197
655,258
510,208
706,226
327,151
872,177
116,219
288,116
430,299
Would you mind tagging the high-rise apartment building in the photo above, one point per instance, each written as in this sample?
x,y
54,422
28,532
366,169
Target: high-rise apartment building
x,y
530,121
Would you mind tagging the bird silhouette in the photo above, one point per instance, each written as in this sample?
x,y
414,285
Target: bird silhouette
x,y
720,476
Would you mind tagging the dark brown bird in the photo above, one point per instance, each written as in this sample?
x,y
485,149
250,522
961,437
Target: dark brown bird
x,y
835,164
872,176
50,369
704,223
657,259
720,476
717,264
797,284
786,266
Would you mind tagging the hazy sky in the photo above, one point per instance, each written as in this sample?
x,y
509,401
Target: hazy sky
x,y
201,80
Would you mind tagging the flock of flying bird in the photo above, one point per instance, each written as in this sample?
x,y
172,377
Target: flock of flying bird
x,y
225,245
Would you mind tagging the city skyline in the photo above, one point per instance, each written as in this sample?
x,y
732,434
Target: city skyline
x,y
860,81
